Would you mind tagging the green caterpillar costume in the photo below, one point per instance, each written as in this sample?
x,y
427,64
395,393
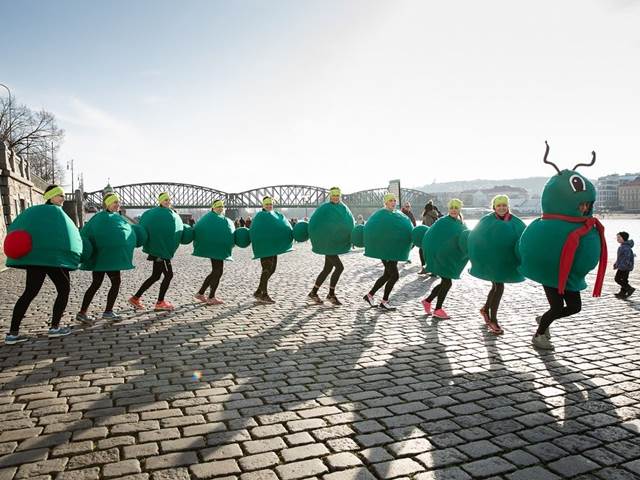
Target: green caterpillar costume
x,y
444,247
165,232
271,234
330,229
555,249
113,240
492,249
213,237
45,236
387,235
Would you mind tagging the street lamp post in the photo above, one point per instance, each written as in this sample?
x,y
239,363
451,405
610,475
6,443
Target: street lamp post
x,y
10,123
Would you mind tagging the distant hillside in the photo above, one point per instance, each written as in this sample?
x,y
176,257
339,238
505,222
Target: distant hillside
x,y
533,184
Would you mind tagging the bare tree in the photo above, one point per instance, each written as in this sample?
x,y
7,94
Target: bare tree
x,y
33,135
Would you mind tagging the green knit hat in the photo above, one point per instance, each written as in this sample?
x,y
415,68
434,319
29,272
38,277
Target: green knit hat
x,y
163,196
455,203
388,196
499,200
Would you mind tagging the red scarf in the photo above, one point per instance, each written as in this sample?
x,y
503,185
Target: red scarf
x,y
571,245
506,218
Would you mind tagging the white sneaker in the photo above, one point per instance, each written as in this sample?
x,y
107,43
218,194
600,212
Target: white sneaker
x,y
547,333
541,342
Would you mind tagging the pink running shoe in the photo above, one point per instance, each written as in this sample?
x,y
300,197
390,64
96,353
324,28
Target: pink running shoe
x,y
163,306
214,301
441,314
200,297
426,305
137,304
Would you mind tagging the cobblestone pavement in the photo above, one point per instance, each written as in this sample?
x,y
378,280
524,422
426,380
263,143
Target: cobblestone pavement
x,y
291,391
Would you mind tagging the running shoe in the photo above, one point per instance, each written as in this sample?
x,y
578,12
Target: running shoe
x,y
541,342
485,316
630,292
384,305
200,297
110,315
426,305
313,297
441,314
266,299
619,295
214,301
59,332
83,318
257,294
136,303
422,272
495,328
369,299
332,299
163,306
547,333
13,339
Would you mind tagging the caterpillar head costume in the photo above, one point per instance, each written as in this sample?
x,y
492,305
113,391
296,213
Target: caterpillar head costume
x,y
565,191
566,243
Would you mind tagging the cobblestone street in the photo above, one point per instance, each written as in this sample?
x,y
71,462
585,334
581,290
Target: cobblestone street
x,y
293,390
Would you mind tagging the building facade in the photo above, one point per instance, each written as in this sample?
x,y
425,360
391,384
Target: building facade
x,y
607,187
629,195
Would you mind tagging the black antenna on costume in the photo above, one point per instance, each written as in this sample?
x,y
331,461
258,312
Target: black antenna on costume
x,y
593,160
546,154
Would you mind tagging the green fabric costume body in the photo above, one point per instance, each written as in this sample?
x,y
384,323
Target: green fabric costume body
x,y
56,241
443,246
357,236
213,237
164,228
330,229
417,235
271,234
541,243
113,240
387,235
492,249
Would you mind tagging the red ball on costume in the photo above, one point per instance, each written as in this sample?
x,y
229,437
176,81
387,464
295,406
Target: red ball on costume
x,y
17,244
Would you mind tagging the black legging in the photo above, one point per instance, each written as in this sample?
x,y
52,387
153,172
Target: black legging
x,y
622,279
213,279
331,262
493,301
269,265
35,280
388,279
440,291
558,310
160,267
421,253
98,277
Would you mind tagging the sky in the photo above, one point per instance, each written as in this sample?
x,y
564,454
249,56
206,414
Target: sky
x,y
241,94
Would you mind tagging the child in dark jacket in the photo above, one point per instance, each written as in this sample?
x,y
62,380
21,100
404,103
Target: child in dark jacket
x,y
624,265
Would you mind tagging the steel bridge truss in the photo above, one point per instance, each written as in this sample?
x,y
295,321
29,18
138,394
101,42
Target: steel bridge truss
x,y
145,195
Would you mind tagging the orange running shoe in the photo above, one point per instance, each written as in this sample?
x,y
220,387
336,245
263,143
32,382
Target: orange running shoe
x,y
163,306
136,303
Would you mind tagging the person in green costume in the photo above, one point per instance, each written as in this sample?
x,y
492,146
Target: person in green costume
x,y
271,235
114,241
562,246
387,236
444,255
492,251
213,239
330,229
44,241
165,231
